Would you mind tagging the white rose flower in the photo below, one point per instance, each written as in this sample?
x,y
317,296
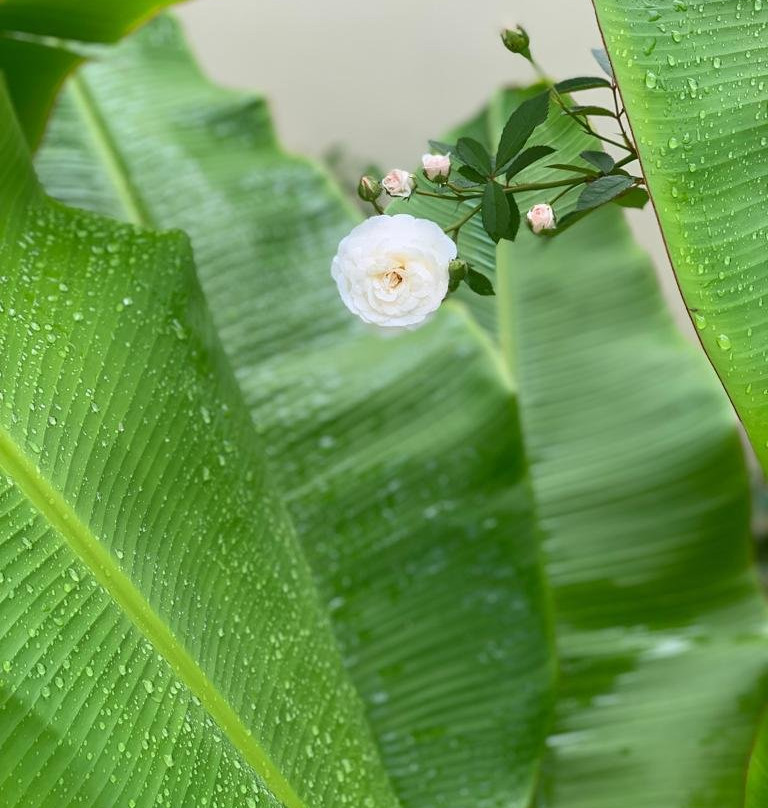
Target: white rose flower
x,y
541,217
393,270
399,183
436,166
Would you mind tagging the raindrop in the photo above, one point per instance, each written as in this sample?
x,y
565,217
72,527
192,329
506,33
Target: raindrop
x,y
724,342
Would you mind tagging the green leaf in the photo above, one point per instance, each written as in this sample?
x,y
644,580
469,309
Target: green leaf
x,y
520,126
501,218
706,179
633,198
575,169
471,176
602,161
442,148
479,283
645,510
601,57
475,155
34,71
582,83
158,621
588,109
33,91
603,190
81,20
527,158
757,775
420,530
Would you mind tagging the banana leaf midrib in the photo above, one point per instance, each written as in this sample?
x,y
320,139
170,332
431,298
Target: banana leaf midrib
x,y
133,206
53,507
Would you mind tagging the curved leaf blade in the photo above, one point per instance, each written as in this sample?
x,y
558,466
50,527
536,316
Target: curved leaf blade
x,y
35,66
158,623
603,190
520,126
645,512
424,528
83,20
696,106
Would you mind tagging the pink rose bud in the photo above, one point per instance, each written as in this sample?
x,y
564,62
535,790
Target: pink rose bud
x,y
541,217
437,167
399,183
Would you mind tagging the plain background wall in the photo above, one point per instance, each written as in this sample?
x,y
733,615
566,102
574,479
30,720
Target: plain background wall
x,y
379,79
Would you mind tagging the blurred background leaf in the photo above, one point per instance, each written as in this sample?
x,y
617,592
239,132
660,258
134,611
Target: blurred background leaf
x,y
35,57
644,502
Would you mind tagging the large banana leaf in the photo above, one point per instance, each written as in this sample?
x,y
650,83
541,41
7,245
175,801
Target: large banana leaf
x,y
644,506
35,65
692,76
412,497
643,499
161,641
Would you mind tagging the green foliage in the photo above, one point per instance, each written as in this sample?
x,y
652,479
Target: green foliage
x,y
603,190
697,106
757,778
35,65
644,508
412,500
153,597
527,158
474,155
599,159
501,218
520,126
402,467
582,83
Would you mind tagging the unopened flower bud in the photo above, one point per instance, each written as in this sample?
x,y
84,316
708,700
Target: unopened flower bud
x,y
369,189
457,271
399,183
437,167
516,40
541,217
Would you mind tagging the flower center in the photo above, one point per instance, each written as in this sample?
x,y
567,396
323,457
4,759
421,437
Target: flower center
x,y
394,277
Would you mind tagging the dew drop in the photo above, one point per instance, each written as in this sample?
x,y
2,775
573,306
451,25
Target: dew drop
x,y
724,342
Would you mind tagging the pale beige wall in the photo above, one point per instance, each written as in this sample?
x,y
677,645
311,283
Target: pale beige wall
x,y
379,78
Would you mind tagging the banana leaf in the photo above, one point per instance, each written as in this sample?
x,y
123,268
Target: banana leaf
x,y
644,508
413,501
35,57
644,502
696,103
161,641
